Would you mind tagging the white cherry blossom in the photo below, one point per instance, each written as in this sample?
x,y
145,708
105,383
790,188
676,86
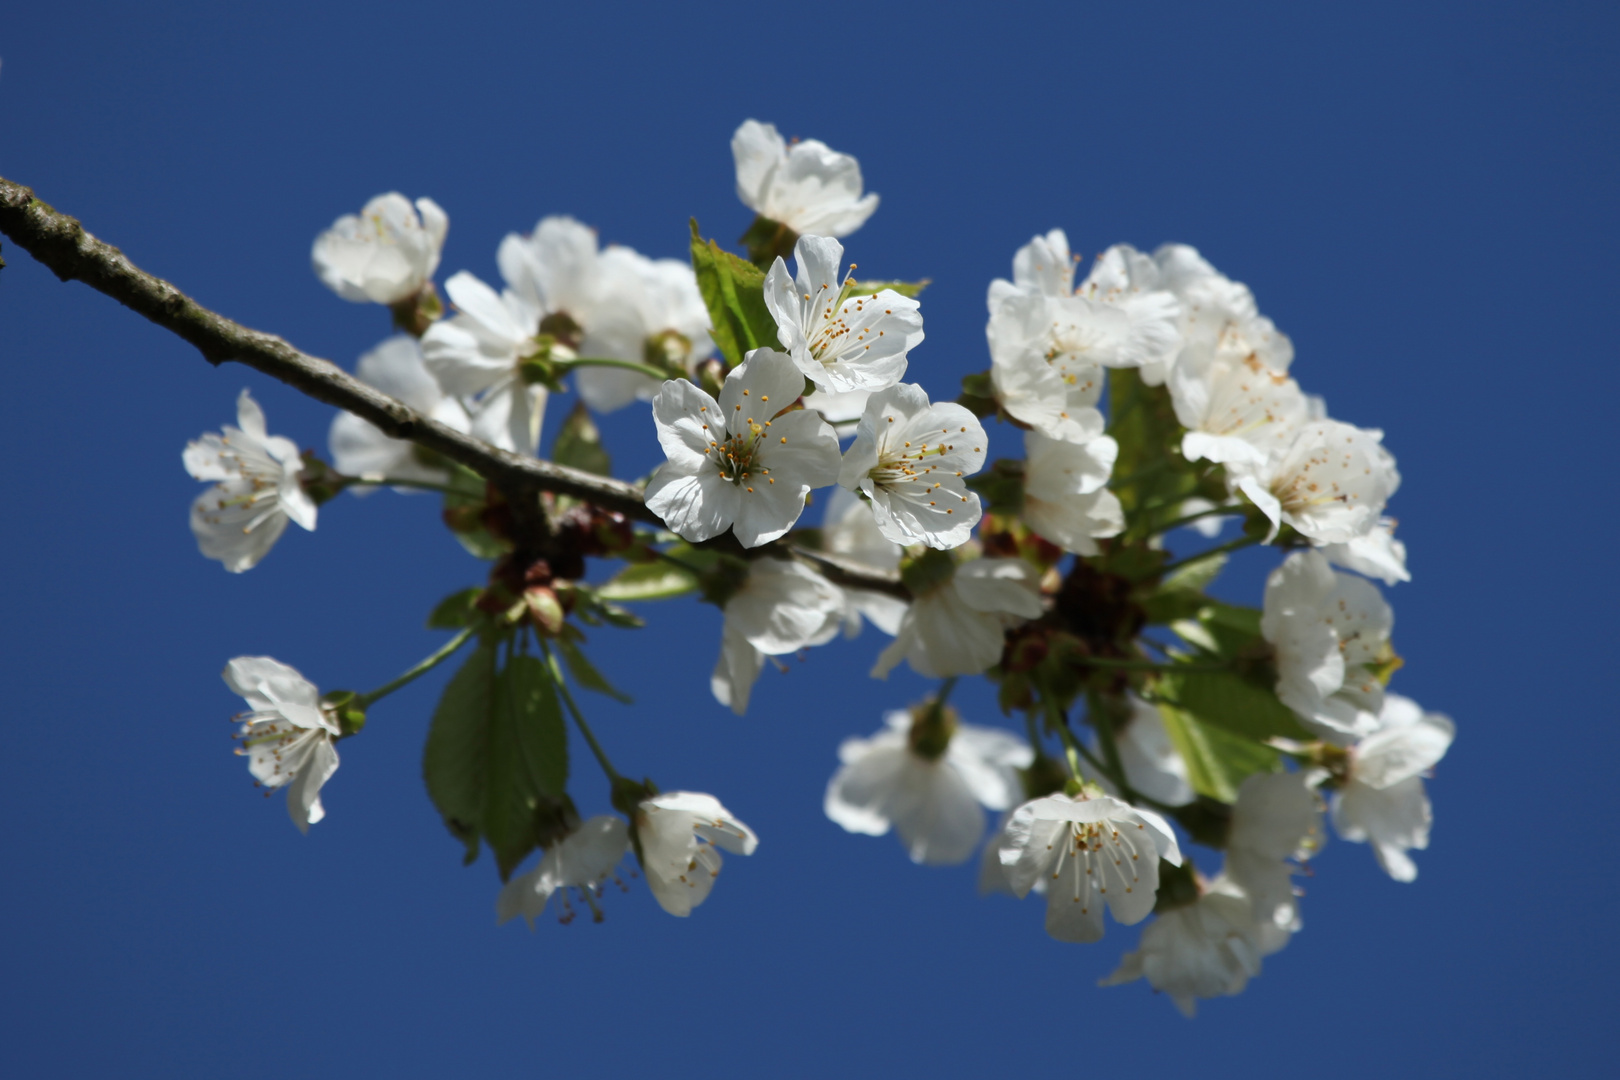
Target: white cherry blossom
x,y
782,607
478,354
1218,317
1377,554
1124,278
850,531
1382,800
1042,267
909,457
642,309
581,860
1330,482
933,803
839,340
1236,409
1065,499
1094,851
957,626
1330,632
1050,342
286,735
256,489
1209,948
805,185
1043,372
358,449
555,269
679,833
384,254
743,462
1277,817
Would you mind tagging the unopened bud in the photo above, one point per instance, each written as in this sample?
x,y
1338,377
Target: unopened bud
x,y
545,610
932,726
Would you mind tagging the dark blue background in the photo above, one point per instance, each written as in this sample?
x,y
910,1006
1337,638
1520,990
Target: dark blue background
x,y
1421,195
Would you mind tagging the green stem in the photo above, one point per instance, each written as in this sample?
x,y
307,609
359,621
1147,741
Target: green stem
x,y
579,718
940,698
1080,748
603,361
364,701
1219,549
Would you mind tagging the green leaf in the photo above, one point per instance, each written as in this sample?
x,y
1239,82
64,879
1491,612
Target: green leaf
x,y
1228,700
585,673
1150,470
648,581
734,292
1217,761
1234,629
579,444
1181,594
456,610
462,506
496,750
455,762
904,288
979,395
528,759
1196,576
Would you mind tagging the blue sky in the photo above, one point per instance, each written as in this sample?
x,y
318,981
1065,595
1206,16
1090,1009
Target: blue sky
x,y
1422,196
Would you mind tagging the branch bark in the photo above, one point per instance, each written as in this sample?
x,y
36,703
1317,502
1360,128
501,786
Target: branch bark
x,y
69,251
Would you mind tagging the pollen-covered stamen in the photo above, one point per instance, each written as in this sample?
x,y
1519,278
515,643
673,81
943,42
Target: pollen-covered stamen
x,y
737,457
1106,856
272,741
841,323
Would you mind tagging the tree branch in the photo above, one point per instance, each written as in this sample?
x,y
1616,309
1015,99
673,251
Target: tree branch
x,y
71,253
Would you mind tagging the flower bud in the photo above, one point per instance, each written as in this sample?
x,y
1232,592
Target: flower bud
x,y
416,313
932,725
545,610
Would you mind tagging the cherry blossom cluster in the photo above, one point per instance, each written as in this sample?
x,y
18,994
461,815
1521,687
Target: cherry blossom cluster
x,y
1153,405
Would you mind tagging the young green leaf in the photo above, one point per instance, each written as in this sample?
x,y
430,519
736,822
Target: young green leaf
x,y
1217,761
585,673
455,761
497,749
733,289
463,505
905,288
455,611
1150,472
579,444
648,581
528,758
1234,703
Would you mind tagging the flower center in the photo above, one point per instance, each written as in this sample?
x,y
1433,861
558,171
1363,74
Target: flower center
x,y
832,333
737,457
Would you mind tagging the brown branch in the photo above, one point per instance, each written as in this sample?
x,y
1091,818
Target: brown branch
x,y
71,253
